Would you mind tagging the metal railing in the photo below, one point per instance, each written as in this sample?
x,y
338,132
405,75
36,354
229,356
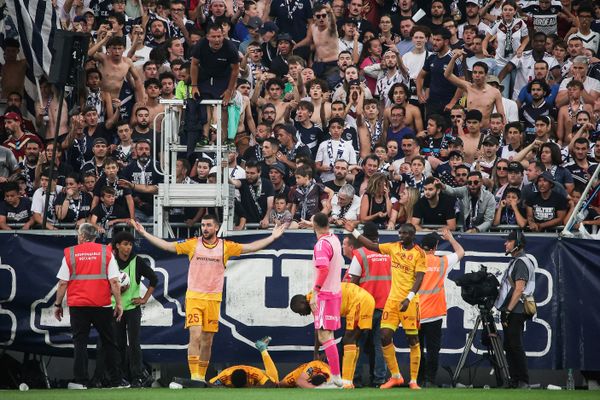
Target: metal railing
x,y
169,147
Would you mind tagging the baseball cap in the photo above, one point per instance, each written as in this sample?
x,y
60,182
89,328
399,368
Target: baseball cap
x,y
268,26
254,22
86,11
212,171
284,36
473,2
13,115
100,140
515,166
547,175
490,140
430,241
279,167
474,115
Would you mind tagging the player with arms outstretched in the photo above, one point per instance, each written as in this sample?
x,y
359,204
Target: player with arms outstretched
x,y
402,305
208,256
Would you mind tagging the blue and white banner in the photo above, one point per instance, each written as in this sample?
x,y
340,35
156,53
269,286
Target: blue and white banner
x,y
259,286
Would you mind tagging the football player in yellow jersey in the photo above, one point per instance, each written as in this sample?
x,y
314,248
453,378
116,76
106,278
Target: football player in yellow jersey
x,y
307,376
240,376
402,306
208,256
357,307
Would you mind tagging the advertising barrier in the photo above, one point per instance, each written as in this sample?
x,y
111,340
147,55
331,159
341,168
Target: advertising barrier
x,y
258,288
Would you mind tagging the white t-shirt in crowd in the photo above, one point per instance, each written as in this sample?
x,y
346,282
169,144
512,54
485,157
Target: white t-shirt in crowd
x,y
351,214
589,84
39,200
340,150
525,71
414,62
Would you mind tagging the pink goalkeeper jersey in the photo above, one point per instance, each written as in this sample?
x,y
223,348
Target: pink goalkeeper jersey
x,y
328,252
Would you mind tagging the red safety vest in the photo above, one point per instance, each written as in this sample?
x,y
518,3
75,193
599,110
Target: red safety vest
x,y
376,275
432,296
88,282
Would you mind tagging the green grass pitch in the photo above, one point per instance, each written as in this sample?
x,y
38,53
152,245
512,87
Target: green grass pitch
x,y
293,394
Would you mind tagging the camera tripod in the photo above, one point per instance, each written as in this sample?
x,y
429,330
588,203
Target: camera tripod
x,y
495,353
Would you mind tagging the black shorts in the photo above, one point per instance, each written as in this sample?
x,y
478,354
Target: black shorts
x,y
213,88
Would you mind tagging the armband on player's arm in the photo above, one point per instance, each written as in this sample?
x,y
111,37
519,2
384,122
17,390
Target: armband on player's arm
x,y
410,296
322,272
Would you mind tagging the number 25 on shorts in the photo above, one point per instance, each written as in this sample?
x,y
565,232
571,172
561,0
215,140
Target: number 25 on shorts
x,y
193,318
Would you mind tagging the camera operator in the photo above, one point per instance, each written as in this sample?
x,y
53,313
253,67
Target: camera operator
x,y
517,281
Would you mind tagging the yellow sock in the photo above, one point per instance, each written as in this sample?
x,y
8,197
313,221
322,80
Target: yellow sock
x,y
415,361
348,362
193,364
389,353
202,367
270,368
355,362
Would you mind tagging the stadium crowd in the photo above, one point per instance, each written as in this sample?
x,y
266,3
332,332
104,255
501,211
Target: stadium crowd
x,y
458,114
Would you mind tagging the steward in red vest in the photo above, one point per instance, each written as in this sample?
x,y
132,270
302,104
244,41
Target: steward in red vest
x,y
371,271
88,276
432,298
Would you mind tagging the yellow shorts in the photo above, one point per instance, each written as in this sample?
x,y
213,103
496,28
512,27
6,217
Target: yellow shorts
x,y
204,313
392,316
361,315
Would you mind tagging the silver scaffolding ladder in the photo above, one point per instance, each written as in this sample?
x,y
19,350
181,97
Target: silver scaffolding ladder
x,y
173,194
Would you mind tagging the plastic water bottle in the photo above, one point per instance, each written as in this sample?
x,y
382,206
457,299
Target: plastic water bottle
x,y
570,380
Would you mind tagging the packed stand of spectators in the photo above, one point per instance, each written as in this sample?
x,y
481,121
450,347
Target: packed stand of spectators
x,y
461,114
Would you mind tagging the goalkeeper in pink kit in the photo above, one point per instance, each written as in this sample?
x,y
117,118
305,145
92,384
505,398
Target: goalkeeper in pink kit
x,y
326,301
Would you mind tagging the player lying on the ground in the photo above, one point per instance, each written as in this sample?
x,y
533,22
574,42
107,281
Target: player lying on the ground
x,y
307,376
358,307
240,376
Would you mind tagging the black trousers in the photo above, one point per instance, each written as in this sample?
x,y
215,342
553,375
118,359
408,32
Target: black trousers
x,y
430,338
513,347
82,319
131,356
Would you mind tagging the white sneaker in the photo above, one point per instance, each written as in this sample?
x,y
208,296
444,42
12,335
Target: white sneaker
x,y
329,385
337,380
76,386
175,385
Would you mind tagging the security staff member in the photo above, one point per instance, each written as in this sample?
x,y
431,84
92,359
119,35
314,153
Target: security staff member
x,y
433,301
89,274
371,271
128,329
517,281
